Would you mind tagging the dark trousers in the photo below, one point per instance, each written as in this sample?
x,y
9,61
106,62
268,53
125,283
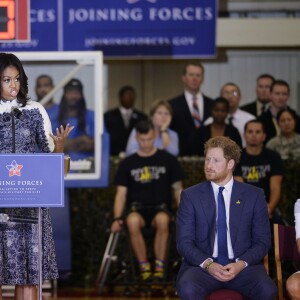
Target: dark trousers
x,y
253,282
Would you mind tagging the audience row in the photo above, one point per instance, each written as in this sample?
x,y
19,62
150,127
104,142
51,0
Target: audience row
x,y
194,117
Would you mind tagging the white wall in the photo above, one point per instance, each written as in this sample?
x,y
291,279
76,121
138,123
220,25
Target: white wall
x,y
155,79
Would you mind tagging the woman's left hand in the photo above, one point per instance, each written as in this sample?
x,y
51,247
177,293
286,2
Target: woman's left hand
x,y
60,137
167,123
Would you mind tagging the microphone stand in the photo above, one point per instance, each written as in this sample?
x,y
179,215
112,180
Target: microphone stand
x,y
13,128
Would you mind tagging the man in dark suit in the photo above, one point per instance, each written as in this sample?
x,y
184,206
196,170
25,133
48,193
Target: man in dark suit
x,y
223,231
121,120
280,93
191,108
263,87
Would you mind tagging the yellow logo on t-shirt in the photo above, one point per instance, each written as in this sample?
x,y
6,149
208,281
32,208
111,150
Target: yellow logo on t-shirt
x,y
145,175
253,175
148,173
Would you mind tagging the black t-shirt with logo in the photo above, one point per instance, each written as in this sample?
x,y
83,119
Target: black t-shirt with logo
x,y
258,169
149,179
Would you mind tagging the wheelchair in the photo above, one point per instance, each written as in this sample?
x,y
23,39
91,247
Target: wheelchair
x,y
119,267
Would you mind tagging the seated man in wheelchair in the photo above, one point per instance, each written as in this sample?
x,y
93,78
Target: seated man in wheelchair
x,y
145,181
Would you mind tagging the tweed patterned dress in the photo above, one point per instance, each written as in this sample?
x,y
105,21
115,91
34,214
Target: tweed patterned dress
x,y
19,241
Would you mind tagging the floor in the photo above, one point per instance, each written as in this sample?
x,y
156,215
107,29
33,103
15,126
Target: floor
x,y
131,293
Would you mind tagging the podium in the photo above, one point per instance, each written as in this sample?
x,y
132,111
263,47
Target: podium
x,y
31,180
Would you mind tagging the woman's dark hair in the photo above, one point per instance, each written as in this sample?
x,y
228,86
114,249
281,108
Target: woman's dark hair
x,y
10,60
81,109
289,110
221,100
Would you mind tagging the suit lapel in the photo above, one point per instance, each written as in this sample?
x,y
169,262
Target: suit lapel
x,y
185,111
209,208
237,203
120,120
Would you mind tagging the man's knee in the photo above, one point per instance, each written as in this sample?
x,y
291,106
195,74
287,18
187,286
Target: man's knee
x,y
134,222
188,290
161,220
293,285
265,289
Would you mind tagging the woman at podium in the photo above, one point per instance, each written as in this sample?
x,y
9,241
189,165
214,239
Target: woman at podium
x,y
24,128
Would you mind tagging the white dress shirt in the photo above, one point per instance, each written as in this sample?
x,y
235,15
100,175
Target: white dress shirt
x,y
227,195
297,218
189,98
126,115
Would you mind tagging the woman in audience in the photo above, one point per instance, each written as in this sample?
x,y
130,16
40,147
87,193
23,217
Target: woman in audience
x,y
166,139
287,144
219,112
293,282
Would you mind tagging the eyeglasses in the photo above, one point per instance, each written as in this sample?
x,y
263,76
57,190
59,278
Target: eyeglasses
x,y
230,93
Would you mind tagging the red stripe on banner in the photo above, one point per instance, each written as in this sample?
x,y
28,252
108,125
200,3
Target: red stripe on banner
x,y
23,19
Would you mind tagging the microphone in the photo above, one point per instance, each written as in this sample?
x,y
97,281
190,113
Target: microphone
x,y
16,112
5,218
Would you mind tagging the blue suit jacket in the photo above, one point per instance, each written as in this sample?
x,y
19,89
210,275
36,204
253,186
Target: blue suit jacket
x,y
196,224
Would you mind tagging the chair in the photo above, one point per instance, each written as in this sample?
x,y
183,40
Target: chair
x,y
224,294
285,249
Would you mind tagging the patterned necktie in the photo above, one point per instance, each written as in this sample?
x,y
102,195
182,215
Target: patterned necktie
x,y
222,230
196,113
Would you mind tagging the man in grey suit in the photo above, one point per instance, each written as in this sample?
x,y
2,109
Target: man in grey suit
x,y
223,231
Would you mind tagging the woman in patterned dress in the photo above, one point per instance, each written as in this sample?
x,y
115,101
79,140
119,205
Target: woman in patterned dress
x,y
19,241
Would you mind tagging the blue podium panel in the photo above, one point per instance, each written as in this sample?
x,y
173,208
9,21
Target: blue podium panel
x,y
32,180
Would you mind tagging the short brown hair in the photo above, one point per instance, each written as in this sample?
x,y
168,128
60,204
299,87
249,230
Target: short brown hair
x,y
193,63
159,103
230,148
280,82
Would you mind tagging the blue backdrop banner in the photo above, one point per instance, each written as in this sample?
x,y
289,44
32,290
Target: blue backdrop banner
x,y
123,28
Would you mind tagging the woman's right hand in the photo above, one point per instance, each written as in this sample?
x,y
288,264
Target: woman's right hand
x,y
61,137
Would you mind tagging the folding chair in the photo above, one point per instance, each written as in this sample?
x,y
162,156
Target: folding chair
x,y
285,249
